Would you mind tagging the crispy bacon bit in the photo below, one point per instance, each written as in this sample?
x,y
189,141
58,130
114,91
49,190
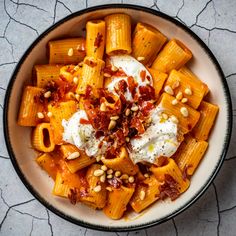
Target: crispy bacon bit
x,y
73,195
99,134
146,93
88,92
132,85
143,75
122,86
137,124
84,121
115,182
146,107
169,188
98,40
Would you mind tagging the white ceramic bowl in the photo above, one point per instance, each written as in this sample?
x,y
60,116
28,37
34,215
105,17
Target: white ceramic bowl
x,y
38,183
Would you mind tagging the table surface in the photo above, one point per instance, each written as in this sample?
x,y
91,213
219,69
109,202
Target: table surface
x,y
21,21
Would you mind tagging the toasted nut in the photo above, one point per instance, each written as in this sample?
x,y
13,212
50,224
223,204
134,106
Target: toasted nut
x,y
40,115
73,156
165,116
114,68
49,114
103,178
98,172
70,95
134,108
104,168
97,189
112,125
77,97
127,139
47,94
149,120
103,158
124,176
103,107
184,111
142,195
114,117
174,119
188,91
140,58
117,173
179,96
110,171
76,80
70,52
98,158
127,112
107,75
109,189
174,102
109,176
169,90
184,100
175,84
146,175
131,179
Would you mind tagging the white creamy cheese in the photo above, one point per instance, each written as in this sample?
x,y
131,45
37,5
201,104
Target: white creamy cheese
x,y
160,139
131,67
81,135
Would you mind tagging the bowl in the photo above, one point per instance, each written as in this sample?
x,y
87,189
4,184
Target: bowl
x,y
204,64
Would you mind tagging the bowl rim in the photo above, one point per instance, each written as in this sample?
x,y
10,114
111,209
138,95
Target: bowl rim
x,y
115,228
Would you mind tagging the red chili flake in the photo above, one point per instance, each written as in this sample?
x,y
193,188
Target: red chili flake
x,y
169,188
98,40
84,121
73,195
115,182
122,86
143,75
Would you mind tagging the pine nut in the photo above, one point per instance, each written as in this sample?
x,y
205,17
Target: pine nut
x,y
73,156
70,52
179,96
188,91
49,114
114,68
124,176
142,195
175,84
184,111
97,189
112,125
76,80
110,171
131,179
127,139
40,115
117,173
77,97
165,116
103,178
174,102
140,58
174,119
134,108
103,107
127,112
104,168
98,173
47,94
114,117
109,189
110,176
107,75
169,90
184,100
146,175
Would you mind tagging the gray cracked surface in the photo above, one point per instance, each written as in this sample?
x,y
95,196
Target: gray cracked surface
x,y
22,21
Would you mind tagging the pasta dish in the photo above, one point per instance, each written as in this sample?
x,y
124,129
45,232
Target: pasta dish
x,y
118,119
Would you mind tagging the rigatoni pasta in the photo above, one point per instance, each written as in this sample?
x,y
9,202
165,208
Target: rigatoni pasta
x,y
112,133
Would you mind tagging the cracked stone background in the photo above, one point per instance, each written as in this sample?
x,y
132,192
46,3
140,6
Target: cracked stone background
x,y
21,21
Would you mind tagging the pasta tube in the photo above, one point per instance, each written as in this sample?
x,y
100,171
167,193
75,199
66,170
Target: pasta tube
x,y
46,73
66,51
147,42
118,34
173,56
189,154
92,74
117,202
79,162
95,38
30,106
208,115
42,138
171,168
